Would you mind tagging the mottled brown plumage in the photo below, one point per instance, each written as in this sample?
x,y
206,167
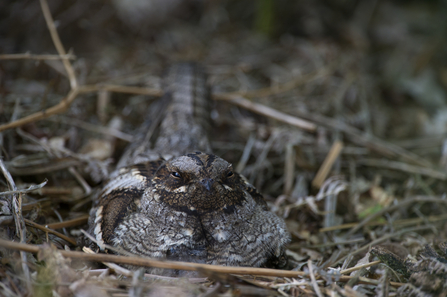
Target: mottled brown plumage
x,y
187,206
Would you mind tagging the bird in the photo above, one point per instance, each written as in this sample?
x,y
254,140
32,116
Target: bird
x,y
174,199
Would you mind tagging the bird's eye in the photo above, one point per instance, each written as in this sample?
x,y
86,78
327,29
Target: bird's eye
x,y
175,174
230,174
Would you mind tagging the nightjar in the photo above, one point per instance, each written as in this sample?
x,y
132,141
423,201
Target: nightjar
x,y
171,200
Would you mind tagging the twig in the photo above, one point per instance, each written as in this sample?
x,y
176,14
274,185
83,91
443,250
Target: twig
x,y
117,268
58,44
66,102
60,107
70,223
325,168
97,272
289,169
24,191
131,90
45,229
80,180
312,279
147,262
346,271
364,280
28,56
266,111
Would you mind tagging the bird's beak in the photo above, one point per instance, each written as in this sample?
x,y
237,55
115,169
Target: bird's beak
x,y
207,183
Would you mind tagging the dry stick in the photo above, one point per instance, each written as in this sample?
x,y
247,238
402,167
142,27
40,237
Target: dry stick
x,y
47,230
364,280
404,167
402,204
313,279
60,107
24,191
346,271
266,111
146,262
66,102
325,168
52,191
28,56
58,44
98,272
289,169
80,180
131,90
70,223
117,268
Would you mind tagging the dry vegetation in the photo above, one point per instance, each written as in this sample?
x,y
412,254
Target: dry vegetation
x,y
335,110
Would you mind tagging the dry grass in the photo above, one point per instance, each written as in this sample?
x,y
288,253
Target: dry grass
x,y
346,141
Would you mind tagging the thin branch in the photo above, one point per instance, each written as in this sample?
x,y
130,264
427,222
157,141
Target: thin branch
x,y
326,167
117,268
58,44
131,90
346,271
45,229
24,191
313,279
266,111
70,223
58,108
66,102
28,56
148,262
